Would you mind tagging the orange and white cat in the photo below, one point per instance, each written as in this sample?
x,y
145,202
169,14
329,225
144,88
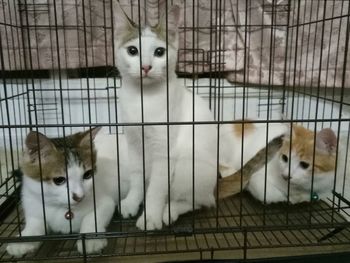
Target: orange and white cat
x,y
295,174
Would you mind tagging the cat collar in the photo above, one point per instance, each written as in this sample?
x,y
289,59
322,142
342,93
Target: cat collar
x,y
314,196
69,215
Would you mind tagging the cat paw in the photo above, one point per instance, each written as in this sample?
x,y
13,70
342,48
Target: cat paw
x,y
92,245
128,208
173,215
299,199
152,223
20,249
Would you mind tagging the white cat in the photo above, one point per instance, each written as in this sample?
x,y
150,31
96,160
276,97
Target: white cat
x,y
149,82
287,178
82,166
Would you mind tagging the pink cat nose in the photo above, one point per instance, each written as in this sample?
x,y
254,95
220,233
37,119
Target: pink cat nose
x,y
77,198
146,68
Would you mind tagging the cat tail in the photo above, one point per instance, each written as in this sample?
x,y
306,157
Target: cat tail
x,y
234,183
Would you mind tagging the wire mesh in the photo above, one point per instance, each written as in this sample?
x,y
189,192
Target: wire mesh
x,y
247,59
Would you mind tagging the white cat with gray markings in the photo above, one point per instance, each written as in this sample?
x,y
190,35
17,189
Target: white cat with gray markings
x,y
66,190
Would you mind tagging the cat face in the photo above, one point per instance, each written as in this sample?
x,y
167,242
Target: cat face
x,y
297,159
296,169
148,61
45,160
146,55
75,186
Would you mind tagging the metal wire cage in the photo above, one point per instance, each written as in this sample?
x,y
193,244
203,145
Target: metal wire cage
x,y
248,59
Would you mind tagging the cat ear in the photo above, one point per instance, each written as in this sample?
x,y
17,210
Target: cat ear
x,y
172,19
123,24
288,132
326,140
37,142
85,138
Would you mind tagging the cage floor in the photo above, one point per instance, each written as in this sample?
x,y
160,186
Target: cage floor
x,y
239,227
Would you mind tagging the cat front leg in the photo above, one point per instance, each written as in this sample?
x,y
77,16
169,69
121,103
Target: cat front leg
x,y
131,203
34,227
104,212
156,195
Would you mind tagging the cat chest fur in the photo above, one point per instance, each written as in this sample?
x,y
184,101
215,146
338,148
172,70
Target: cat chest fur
x,y
54,213
156,102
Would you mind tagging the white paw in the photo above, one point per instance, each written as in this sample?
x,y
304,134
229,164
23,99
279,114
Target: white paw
x,y
129,208
91,245
173,215
20,249
151,221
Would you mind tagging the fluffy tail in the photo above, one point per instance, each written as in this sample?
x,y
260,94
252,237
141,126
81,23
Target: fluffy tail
x,y
234,183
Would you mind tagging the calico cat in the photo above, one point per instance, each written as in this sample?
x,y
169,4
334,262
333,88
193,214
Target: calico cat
x,y
292,165
66,210
162,155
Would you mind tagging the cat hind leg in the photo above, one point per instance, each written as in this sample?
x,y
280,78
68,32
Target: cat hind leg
x,y
130,206
131,203
180,207
177,208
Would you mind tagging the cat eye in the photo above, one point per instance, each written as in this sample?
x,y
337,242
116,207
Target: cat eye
x,y
59,180
304,165
159,52
132,50
87,175
284,158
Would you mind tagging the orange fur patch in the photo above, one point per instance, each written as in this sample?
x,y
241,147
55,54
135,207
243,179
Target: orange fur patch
x,y
245,127
52,160
46,168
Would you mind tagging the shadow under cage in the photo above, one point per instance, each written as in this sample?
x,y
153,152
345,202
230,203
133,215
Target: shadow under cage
x,y
266,63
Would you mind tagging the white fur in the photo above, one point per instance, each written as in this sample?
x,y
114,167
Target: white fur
x,y
56,205
155,175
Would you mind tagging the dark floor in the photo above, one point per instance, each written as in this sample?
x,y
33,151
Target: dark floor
x,y
238,228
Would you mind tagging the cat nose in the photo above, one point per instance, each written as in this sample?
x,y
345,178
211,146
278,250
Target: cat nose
x,y
146,68
77,198
285,176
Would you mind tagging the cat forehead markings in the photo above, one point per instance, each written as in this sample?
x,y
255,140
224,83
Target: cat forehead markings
x,y
47,168
52,162
133,34
146,32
